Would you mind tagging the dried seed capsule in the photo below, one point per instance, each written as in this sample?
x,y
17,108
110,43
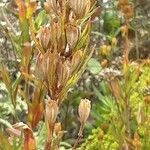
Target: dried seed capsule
x,y
76,59
51,111
44,37
63,72
80,7
72,34
84,110
52,4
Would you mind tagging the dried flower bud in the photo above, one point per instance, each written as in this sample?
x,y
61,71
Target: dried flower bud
x,y
44,37
42,64
76,59
84,110
72,34
114,88
63,72
52,4
51,111
80,7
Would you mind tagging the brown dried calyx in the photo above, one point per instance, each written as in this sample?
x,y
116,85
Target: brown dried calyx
x,y
44,37
84,110
72,35
80,7
51,111
52,4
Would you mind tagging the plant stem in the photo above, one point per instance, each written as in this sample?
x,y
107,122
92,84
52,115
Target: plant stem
x,y
79,136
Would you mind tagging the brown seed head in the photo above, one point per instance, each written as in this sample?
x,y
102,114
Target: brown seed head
x,y
84,110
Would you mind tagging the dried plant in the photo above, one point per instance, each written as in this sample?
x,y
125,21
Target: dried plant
x,y
53,57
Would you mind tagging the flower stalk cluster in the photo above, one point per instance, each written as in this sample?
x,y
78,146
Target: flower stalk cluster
x,y
60,50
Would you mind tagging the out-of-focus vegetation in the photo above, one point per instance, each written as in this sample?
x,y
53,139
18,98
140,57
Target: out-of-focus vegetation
x,y
53,54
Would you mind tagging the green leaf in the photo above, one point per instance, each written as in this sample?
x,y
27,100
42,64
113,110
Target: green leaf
x,y
40,20
94,66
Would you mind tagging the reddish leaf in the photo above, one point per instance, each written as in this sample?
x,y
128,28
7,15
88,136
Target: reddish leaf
x,y
29,141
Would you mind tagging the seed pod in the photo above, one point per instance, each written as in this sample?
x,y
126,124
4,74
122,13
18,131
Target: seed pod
x,y
80,7
52,4
38,67
44,37
72,34
63,72
51,111
84,110
76,59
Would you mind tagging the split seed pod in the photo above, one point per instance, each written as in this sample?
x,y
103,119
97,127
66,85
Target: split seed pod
x,y
84,110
